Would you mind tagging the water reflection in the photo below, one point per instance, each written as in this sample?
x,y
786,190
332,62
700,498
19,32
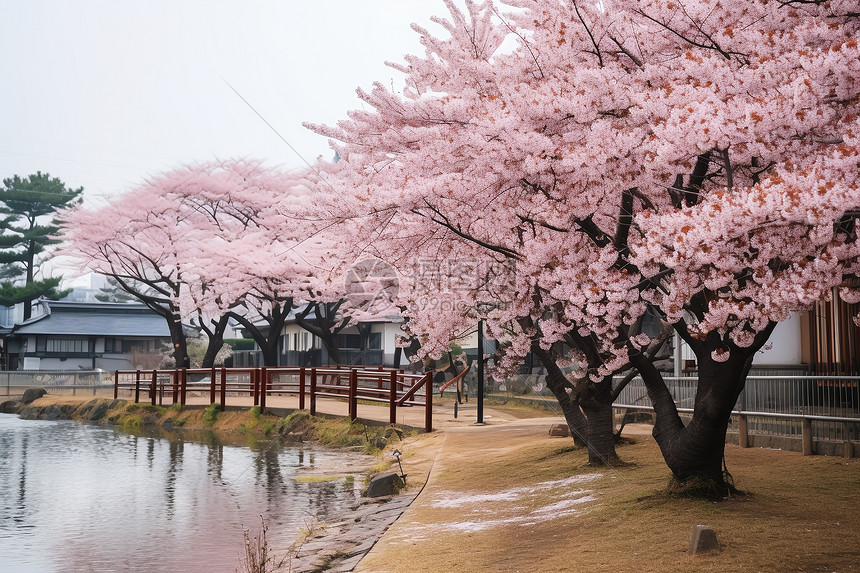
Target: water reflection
x,y
86,498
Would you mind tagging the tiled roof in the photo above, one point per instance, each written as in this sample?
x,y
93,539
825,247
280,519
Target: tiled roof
x,y
96,319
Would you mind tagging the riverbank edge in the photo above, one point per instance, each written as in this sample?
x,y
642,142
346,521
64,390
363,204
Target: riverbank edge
x,y
335,547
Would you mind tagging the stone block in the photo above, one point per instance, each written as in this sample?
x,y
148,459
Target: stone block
x,y
31,394
703,539
384,484
559,431
9,407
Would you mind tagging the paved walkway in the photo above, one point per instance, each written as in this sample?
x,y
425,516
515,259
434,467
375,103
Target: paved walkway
x,y
443,410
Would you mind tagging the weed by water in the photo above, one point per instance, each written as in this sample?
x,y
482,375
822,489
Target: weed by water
x,y
211,413
267,427
133,424
255,412
257,558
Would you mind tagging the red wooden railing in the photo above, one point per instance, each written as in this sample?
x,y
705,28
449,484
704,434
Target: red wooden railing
x,y
385,385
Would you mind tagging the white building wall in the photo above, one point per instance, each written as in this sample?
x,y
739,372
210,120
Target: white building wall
x,y
65,364
784,348
785,345
390,331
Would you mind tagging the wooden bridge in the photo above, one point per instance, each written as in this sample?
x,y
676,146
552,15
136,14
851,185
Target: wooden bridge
x,y
393,387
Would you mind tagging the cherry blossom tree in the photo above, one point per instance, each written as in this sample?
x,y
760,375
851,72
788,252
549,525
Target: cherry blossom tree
x,y
618,156
137,240
183,243
250,259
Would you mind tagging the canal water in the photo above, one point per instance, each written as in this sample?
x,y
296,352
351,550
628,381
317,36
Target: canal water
x,y
84,498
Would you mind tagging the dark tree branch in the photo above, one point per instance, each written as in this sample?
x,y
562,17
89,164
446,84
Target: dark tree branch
x,y
590,35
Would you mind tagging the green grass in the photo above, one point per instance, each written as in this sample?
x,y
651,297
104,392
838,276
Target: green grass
x,y
210,414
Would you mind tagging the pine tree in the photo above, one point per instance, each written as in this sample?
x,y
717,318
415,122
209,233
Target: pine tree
x,y
27,231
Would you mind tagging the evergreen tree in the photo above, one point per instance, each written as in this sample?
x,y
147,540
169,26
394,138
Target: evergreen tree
x,y
27,231
114,292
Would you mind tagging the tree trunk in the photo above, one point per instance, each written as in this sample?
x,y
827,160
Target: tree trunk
x,y
600,423
332,349
559,386
270,347
590,420
180,345
216,341
694,453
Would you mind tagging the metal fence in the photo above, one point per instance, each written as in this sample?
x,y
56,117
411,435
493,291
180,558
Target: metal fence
x,y
776,405
771,407
14,382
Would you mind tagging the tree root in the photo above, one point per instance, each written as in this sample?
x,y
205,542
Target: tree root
x,y
698,487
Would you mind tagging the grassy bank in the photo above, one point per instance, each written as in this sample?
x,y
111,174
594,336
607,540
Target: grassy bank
x,y
492,506
298,426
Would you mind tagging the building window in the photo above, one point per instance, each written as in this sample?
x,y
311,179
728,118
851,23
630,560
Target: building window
x,y
375,341
67,345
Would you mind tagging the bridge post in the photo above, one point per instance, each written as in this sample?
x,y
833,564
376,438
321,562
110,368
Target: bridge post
x,y
223,388
264,385
313,396
392,398
183,386
302,388
353,394
153,387
175,385
212,386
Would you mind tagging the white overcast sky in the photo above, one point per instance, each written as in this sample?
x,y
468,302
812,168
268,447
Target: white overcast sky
x,y
102,93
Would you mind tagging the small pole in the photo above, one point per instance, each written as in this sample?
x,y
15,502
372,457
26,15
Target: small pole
x,y
480,372
428,398
806,436
743,433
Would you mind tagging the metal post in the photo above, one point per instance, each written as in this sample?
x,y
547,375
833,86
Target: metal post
x,y
806,436
137,386
115,385
428,402
480,372
743,435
